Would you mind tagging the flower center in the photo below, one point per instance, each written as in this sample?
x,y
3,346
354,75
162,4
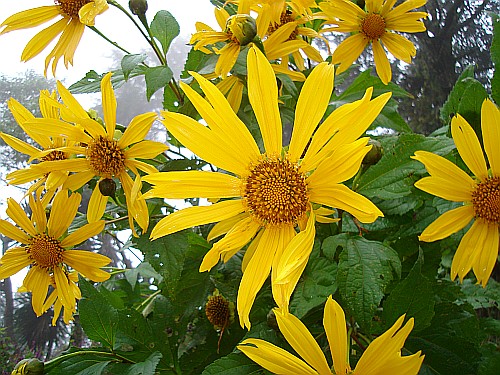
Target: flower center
x,y
106,157
54,155
45,251
286,17
276,192
373,26
71,7
486,200
218,312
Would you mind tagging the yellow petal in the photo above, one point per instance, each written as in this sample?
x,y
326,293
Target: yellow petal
x,y
87,263
37,282
58,128
340,196
448,223
490,127
399,46
301,340
19,145
137,129
63,288
63,212
469,249
38,214
311,107
77,180
483,267
97,206
90,11
446,189
197,215
336,333
193,184
348,51
382,64
75,108
227,58
30,18
83,233
16,213
263,96
224,226
145,150
13,232
13,261
273,358
468,146
108,105
42,39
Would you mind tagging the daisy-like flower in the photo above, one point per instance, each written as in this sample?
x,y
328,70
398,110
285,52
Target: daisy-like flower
x,y
266,197
76,14
383,355
50,180
48,251
374,25
478,249
106,156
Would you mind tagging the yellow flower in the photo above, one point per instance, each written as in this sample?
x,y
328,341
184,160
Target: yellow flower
x,y
478,249
266,196
374,25
105,156
51,180
47,249
76,14
383,355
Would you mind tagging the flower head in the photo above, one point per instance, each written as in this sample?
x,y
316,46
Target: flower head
x,y
106,155
47,249
478,249
383,355
73,16
267,197
374,25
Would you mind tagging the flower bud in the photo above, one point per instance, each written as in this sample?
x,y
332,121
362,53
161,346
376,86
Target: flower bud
x,y
107,187
242,27
138,7
375,154
219,310
30,366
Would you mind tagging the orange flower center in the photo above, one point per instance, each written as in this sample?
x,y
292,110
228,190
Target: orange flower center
x,y
218,312
106,157
275,192
373,26
286,17
45,251
486,200
54,155
71,7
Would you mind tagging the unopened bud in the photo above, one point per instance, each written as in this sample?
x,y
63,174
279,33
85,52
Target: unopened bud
x,y
243,28
107,187
375,154
138,7
30,366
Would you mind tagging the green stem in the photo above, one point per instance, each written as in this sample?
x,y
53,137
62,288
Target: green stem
x,y
64,357
93,28
147,300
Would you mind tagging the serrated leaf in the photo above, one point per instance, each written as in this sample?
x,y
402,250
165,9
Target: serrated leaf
x,y
413,296
145,270
147,367
391,177
156,78
365,269
94,369
317,282
165,28
233,364
495,58
97,317
92,81
130,62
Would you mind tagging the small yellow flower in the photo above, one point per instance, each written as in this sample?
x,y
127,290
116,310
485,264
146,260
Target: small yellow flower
x,y
105,155
48,250
383,355
267,196
374,25
76,14
478,249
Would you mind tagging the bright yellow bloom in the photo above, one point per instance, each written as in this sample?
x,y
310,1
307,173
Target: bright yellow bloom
x,y
47,249
54,299
267,195
374,25
76,14
478,249
383,355
106,155
51,180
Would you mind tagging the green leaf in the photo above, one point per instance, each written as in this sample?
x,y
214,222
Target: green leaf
x,y
495,58
145,270
365,269
87,362
317,282
92,81
390,118
482,298
147,367
156,78
413,296
165,28
94,369
392,177
130,62
233,364
97,317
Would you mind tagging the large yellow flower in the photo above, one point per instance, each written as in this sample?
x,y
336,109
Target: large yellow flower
x,y
47,249
266,196
383,355
374,25
478,249
50,180
76,14
106,156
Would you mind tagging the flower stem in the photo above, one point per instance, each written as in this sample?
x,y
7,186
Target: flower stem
x,y
61,358
93,28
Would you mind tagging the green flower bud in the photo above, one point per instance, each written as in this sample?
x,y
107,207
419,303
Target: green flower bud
x,y
243,28
30,366
375,154
138,7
